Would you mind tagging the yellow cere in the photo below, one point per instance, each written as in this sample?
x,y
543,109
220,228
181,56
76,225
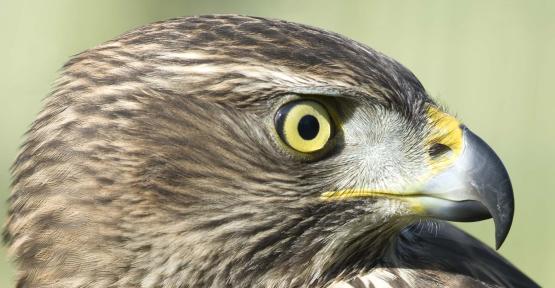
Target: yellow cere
x,y
291,132
446,130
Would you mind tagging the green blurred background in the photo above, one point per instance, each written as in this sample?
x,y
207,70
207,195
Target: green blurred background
x,y
490,62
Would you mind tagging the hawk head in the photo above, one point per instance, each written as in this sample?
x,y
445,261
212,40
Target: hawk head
x,y
237,151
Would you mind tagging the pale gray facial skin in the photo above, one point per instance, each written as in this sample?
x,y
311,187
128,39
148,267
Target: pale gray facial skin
x,y
155,163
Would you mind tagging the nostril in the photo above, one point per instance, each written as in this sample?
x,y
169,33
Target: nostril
x,y
438,149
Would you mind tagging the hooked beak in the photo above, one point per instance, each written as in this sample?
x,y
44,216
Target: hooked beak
x,y
469,183
475,187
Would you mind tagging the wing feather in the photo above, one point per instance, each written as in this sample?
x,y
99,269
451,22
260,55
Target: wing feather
x,y
445,257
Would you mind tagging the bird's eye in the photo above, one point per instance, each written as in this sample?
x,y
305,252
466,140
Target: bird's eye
x,y
304,125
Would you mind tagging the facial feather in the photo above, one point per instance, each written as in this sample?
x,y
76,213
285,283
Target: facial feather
x,y
152,163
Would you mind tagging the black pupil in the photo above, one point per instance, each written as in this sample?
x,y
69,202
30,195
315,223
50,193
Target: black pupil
x,y
308,127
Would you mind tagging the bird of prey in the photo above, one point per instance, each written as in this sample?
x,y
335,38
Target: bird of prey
x,y
234,151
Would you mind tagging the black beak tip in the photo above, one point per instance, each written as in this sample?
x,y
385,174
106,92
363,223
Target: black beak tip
x,y
503,221
492,184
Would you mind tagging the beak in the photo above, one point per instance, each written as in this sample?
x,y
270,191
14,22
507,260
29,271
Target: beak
x,y
466,183
476,186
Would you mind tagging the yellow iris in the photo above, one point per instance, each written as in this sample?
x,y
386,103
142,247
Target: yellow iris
x,y
304,125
